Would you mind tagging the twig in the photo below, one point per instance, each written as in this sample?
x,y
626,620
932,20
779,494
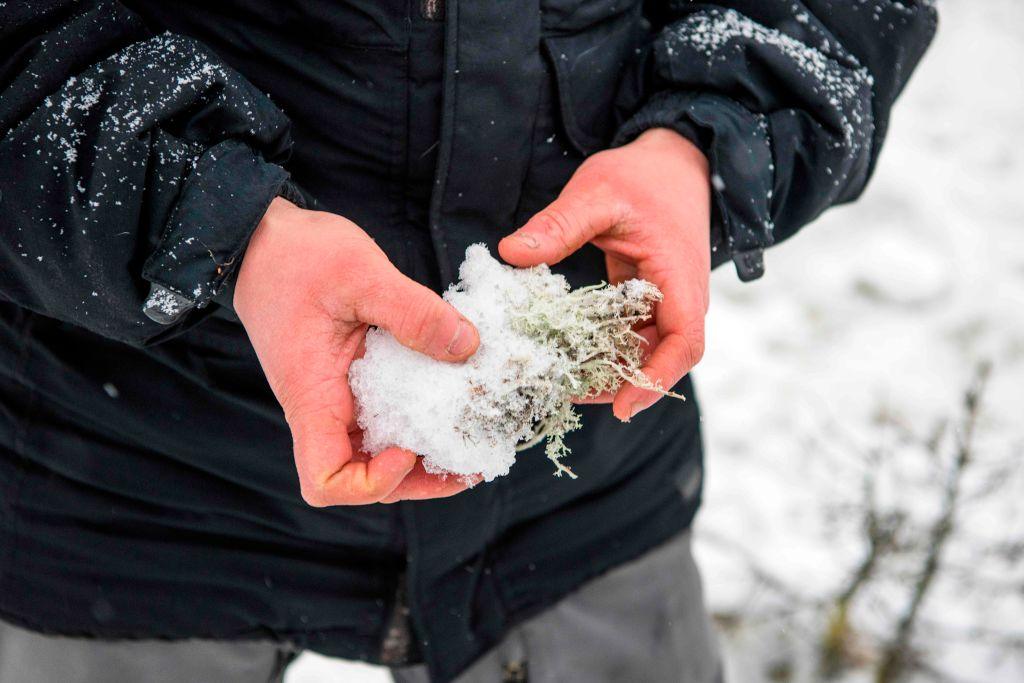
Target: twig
x,y
895,658
881,532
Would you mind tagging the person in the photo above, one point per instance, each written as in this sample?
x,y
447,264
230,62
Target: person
x,y
203,206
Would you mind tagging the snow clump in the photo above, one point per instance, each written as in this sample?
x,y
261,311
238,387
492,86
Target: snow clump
x,y
541,345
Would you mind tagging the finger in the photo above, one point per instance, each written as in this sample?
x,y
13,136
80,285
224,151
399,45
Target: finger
x,y
312,388
680,328
363,482
564,226
618,270
320,413
328,472
422,485
361,346
370,481
650,336
348,401
355,437
419,318
666,366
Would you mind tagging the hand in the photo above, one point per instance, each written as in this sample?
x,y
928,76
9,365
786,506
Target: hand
x,y
647,206
309,286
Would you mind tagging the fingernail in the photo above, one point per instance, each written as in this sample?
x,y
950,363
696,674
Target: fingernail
x,y
635,408
460,342
529,240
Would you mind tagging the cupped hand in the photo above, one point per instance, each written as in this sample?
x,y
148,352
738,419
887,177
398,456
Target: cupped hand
x,y
647,206
309,286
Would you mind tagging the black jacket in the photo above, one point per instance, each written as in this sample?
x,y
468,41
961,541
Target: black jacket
x,y
146,481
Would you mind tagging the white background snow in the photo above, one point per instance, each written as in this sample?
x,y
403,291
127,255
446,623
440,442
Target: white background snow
x,y
838,370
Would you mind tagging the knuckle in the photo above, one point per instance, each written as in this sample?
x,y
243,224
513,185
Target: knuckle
x,y
601,180
322,220
369,294
559,225
695,343
366,267
422,322
377,289
374,490
375,274
311,488
359,488
696,352
313,494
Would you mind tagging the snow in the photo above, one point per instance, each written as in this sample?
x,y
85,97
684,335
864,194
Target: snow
x,y
454,413
165,301
863,334
313,668
838,366
838,78
541,344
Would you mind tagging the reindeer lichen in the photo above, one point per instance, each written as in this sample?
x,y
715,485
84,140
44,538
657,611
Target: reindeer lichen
x,y
542,346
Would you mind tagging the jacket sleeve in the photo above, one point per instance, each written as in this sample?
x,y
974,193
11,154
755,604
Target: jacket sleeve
x,y
789,99
133,168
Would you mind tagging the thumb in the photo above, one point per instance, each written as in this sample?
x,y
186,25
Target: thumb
x,y
564,226
420,319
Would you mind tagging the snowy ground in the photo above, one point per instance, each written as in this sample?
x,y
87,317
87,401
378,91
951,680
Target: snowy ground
x,y
834,395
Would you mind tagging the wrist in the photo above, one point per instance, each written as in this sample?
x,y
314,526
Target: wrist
x,y
250,271
666,140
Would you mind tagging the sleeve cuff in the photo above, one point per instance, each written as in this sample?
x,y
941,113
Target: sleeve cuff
x,y
221,203
225,296
737,144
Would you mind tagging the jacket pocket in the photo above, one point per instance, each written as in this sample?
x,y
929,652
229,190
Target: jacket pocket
x,y
588,68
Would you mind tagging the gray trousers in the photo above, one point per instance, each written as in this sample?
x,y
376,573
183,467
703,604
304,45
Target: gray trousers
x,y
643,621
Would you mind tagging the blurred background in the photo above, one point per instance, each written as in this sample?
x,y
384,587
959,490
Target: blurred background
x,y
864,405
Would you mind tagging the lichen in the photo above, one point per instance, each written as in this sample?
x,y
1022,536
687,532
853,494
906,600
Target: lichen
x,y
542,345
592,329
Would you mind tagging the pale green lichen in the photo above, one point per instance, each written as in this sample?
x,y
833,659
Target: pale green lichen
x,y
592,331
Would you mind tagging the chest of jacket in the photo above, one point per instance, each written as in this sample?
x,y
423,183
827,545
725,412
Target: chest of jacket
x,y
455,121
